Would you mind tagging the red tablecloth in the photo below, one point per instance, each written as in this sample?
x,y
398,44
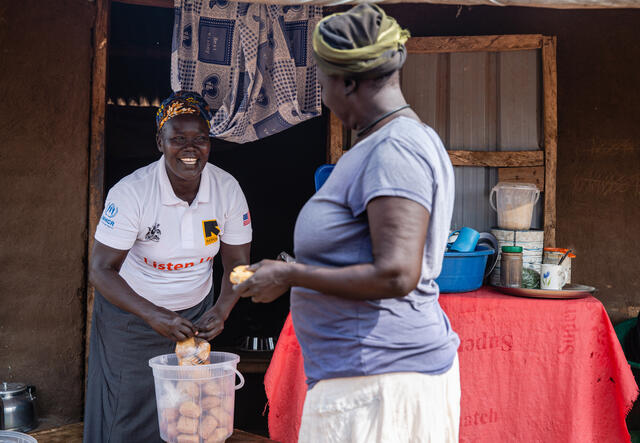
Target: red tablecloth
x,y
532,370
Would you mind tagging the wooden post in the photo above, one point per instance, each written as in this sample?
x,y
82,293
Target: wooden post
x,y
550,105
96,148
335,141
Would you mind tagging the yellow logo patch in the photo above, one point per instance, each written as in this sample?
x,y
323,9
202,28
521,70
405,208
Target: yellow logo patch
x,y
210,229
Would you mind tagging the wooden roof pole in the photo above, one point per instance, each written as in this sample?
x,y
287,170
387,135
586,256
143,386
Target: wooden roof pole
x,y
559,4
550,105
97,144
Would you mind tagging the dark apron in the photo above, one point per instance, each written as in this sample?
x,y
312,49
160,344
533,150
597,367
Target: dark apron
x,y
120,401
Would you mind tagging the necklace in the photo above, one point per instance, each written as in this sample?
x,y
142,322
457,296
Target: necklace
x,y
378,120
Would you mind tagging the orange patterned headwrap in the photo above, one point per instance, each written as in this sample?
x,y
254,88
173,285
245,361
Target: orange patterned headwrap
x,y
182,102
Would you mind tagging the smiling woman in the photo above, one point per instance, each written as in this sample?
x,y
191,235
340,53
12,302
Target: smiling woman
x,y
152,268
184,141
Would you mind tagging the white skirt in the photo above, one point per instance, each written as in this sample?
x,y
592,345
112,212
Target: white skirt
x,y
397,407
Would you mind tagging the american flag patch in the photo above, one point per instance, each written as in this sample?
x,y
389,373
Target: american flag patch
x,y
246,219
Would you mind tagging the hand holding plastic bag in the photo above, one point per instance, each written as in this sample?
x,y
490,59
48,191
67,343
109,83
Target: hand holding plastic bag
x,y
193,351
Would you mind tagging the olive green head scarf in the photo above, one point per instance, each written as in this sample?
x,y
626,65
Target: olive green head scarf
x,y
363,42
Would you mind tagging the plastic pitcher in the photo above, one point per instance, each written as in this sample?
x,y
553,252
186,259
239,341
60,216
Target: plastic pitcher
x,y
514,203
195,403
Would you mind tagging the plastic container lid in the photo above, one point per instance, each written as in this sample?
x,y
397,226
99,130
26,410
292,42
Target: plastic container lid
x,y
12,388
561,250
16,437
516,249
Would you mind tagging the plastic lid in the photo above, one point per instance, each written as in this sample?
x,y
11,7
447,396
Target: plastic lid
x,y
512,249
15,436
561,250
517,185
12,388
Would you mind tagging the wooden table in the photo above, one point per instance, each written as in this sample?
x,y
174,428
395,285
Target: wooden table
x,y
73,434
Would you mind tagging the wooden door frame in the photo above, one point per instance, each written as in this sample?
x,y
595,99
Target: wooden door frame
x,y
545,158
96,146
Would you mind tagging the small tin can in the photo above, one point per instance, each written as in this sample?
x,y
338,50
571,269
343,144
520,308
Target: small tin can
x,y
511,267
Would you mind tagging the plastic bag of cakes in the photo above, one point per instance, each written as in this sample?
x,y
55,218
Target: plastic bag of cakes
x,y
193,351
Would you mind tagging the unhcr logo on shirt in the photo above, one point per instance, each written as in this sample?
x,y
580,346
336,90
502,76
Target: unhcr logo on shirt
x,y
109,212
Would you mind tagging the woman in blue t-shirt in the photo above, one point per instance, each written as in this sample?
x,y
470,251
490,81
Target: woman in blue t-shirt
x,y
379,353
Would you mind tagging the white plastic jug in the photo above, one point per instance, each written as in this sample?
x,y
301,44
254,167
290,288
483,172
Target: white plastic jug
x,y
514,203
196,402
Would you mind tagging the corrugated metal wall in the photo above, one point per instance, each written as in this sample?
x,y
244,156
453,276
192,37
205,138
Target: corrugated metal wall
x,y
478,101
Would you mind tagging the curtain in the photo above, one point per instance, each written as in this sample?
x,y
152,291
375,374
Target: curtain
x,y
251,62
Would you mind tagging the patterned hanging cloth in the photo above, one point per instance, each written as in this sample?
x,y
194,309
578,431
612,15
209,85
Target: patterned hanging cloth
x,y
252,63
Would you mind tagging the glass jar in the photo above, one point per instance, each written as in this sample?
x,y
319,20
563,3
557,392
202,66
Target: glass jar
x,y
511,267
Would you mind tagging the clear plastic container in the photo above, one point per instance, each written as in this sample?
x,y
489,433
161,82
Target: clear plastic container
x,y
16,437
514,204
195,403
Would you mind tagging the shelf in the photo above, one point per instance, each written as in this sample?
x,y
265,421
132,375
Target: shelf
x,y
251,362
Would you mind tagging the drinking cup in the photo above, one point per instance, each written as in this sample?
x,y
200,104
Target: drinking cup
x,y
553,276
466,241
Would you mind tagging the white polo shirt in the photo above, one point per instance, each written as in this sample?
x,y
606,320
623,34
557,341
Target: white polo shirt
x,y
171,244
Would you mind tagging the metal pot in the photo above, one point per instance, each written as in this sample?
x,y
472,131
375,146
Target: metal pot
x,y
18,405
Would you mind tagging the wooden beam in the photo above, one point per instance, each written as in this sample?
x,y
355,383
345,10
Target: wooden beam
x,y
335,139
550,105
502,159
533,175
96,148
490,43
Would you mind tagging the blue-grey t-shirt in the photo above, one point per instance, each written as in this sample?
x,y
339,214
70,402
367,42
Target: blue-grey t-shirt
x,y
344,338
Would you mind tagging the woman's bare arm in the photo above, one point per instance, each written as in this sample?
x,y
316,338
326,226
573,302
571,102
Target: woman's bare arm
x,y
104,275
211,323
398,229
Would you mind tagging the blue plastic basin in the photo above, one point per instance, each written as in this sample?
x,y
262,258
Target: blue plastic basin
x,y
464,271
